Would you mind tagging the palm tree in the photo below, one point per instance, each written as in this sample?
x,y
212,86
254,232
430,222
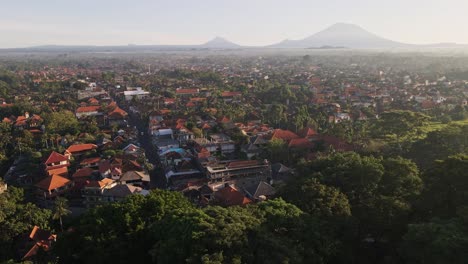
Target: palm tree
x,y
61,209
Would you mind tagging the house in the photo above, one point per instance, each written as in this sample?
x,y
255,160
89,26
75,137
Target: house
x,y
56,160
135,92
280,173
135,178
91,162
307,132
241,173
284,135
82,174
79,149
131,149
300,143
38,239
52,186
229,196
117,117
260,191
104,168
231,96
93,191
85,111
62,171
120,191
187,92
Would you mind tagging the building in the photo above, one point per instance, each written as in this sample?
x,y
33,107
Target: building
x,y
51,187
120,191
240,173
135,92
93,191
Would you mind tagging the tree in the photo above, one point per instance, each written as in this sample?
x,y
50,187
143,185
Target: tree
x,y
63,122
61,210
277,150
438,241
316,199
401,125
446,186
18,218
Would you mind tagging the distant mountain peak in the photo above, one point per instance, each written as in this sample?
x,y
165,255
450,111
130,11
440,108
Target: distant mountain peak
x,y
341,35
220,42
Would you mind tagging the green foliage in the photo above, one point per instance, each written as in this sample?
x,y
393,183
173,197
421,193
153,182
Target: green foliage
x,y
18,218
316,198
400,125
446,187
439,144
437,241
63,122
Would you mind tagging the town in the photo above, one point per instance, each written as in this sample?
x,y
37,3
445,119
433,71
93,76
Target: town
x,y
84,131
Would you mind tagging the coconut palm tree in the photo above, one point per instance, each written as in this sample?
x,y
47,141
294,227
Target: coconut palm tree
x,y
61,209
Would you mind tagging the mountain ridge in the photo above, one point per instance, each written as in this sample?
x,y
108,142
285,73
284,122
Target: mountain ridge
x,y
343,35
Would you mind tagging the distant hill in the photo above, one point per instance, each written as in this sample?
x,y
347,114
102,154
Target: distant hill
x,y
342,35
337,36
220,43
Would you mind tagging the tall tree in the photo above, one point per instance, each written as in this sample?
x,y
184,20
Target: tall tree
x,y
61,210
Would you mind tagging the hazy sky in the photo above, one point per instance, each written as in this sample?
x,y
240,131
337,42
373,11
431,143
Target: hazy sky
x,y
248,22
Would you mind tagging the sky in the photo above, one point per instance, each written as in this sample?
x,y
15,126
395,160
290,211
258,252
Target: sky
x,y
25,23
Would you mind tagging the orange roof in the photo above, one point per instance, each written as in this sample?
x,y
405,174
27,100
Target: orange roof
x,y
81,147
186,91
229,196
118,112
86,109
93,101
197,99
230,94
52,182
90,160
300,143
224,119
84,172
243,163
307,132
285,135
58,170
55,157
100,184
169,100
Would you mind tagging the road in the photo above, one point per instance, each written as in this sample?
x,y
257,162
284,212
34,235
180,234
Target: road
x,y
158,180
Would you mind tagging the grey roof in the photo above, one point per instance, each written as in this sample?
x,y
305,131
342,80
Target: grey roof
x,y
262,188
135,175
279,168
121,190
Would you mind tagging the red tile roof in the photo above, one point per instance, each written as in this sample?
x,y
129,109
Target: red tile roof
x,y
52,182
90,161
285,135
230,94
300,143
81,147
100,184
87,109
307,132
58,170
243,163
187,91
229,196
55,157
84,172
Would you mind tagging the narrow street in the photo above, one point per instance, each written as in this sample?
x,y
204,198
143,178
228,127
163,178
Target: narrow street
x,y
158,179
